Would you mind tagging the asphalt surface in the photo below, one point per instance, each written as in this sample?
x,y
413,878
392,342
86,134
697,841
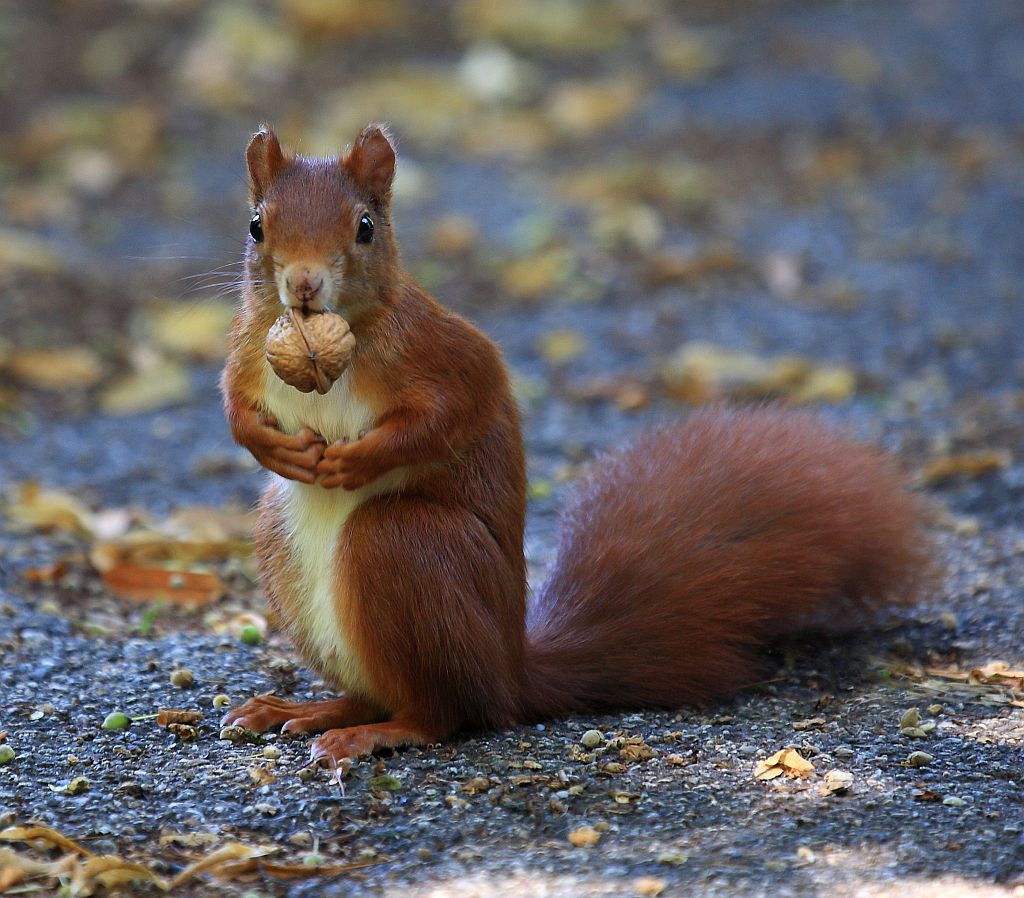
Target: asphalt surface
x,y
878,145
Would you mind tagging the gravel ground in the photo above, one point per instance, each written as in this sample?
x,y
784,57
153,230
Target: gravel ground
x,y
881,145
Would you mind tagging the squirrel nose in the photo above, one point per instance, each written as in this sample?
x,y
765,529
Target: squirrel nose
x,y
304,284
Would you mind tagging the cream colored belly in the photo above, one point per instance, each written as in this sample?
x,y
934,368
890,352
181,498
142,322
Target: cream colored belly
x,y
315,518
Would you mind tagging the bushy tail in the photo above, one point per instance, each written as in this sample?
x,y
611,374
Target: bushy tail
x,y
684,553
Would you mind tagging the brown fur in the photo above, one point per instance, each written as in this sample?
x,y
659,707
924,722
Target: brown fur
x,y
684,553
680,556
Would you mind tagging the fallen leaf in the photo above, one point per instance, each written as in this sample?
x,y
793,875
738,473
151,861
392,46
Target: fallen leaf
x,y
24,251
537,275
699,372
47,574
325,19
584,108
166,716
196,330
70,368
667,267
50,837
163,384
649,886
966,464
787,762
33,508
584,837
576,26
146,584
561,346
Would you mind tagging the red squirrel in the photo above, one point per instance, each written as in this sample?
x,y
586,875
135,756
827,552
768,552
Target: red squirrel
x,y
390,538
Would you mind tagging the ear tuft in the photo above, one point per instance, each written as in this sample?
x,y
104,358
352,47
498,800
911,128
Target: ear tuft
x,y
371,162
265,160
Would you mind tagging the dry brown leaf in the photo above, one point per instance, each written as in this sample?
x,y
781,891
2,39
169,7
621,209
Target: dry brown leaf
x,y
583,108
219,862
788,762
109,871
584,837
69,368
150,549
699,372
50,837
688,268
628,393
167,716
307,871
33,508
649,886
21,250
261,775
15,867
46,574
965,464
146,584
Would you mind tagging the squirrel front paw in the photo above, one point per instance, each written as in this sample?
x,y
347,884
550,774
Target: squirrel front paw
x,y
348,465
294,456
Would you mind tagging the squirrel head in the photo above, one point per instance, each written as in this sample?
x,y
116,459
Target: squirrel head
x,y
320,235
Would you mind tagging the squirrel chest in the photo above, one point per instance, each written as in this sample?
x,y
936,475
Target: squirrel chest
x,y
314,518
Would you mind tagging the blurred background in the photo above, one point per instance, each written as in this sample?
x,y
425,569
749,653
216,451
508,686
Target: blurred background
x,y
649,204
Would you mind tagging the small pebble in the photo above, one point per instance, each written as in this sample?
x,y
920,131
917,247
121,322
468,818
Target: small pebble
x,y
953,802
591,739
182,677
919,759
272,752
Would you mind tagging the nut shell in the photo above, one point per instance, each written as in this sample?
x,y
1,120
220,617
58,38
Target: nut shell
x,y
309,351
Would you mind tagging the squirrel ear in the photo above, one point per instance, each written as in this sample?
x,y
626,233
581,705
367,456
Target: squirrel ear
x,y
371,162
265,160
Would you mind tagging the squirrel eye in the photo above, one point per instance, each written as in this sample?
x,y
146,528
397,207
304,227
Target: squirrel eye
x,y
256,228
365,232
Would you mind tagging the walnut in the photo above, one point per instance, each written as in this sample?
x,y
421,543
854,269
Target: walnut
x,y
309,351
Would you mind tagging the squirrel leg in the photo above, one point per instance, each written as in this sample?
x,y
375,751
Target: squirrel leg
x,y
264,712
353,742
434,610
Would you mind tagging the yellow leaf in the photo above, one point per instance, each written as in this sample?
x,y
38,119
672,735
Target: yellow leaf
x,y
966,464
34,508
164,384
649,886
197,330
584,837
71,368
583,108
788,762
562,346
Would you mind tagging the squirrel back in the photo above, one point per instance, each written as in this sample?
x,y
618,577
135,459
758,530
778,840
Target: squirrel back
x,y
683,554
